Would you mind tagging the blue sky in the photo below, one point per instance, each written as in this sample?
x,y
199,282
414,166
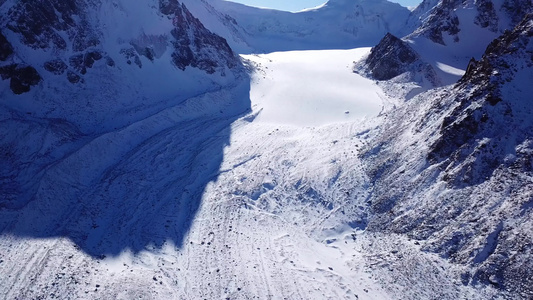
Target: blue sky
x,y
295,5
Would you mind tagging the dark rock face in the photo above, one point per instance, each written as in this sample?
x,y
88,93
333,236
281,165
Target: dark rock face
x,y
390,57
205,51
80,62
487,17
56,66
73,77
38,22
130,54
393,57
442,20
516,10
22,78
76,62
482,114
6,50
44,25
90,57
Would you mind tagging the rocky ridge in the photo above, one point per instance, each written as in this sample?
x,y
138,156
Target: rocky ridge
x,y
393,57
440,21
74,41
453,168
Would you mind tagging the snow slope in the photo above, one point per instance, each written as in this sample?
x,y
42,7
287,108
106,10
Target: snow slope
x,y
311,88
191,206
339,24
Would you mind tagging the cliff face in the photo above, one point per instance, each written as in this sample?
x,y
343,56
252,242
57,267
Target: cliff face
x,y
194,45
390,58
489,107
453,167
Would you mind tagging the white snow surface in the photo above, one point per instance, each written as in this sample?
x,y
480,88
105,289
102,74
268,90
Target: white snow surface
x,y
312,88
338,24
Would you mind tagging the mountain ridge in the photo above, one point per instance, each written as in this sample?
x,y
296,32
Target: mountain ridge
x,y
448,148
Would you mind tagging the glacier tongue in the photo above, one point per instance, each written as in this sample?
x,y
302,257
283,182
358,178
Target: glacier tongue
x,y
147,160
194,202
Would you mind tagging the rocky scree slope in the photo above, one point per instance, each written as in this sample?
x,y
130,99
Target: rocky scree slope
x,y
453,168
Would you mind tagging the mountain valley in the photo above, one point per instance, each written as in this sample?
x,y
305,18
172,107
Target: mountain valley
x,y
203,149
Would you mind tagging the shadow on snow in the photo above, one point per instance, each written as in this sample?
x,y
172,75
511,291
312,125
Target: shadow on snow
x,y
145,198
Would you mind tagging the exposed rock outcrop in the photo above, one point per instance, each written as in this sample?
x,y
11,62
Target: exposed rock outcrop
x,y
22,77
393,57
194,45
6,50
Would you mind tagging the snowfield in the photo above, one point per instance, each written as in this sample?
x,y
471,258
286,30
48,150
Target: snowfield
x,y
280,214
312,88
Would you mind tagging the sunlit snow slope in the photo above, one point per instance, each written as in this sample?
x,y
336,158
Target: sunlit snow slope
x,y
338,24
311,88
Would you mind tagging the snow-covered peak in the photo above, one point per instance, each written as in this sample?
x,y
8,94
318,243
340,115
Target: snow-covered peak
x,y
444,21
337,24
447,34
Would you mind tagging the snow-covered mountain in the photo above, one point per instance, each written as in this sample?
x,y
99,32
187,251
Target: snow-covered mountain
x,y
443,36
338,24
140,157
114,50
452,167
75,69
447,34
